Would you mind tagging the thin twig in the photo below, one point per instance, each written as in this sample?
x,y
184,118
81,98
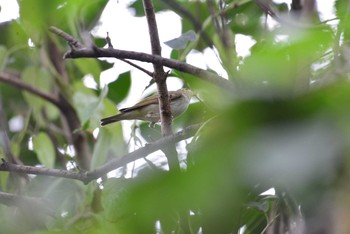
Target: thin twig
x,y
137,67
109,42
74,44
110,46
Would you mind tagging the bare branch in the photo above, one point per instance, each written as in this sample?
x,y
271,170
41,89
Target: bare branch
x,y
87,177
6,166
144,151
160,77
144,57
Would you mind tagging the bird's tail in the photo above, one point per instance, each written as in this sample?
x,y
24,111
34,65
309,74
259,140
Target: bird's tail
x,y
111,119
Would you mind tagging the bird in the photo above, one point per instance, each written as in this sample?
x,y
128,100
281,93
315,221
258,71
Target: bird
x,y
148,108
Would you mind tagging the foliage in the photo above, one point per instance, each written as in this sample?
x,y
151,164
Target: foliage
x,y
285,125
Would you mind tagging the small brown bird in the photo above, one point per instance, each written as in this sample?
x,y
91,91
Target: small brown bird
x,y
148,108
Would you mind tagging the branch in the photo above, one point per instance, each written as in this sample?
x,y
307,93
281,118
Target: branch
x,y
73,43
144,151
137,67
87,177
15,81
144,57
6,166
62,104
160,77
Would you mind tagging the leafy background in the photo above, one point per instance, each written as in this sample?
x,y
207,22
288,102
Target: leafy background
x,y
286,126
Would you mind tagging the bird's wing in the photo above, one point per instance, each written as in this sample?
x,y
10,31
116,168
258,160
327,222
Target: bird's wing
x,y
151,100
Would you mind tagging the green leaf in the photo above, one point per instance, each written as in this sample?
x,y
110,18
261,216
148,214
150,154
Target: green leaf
x,y
87,104
180,43
119,89
150,134
40,79
101,149
246,19
110,143
63,195
3,57
90,12
44,149
12,34
89,66
113,198
3,181
261,206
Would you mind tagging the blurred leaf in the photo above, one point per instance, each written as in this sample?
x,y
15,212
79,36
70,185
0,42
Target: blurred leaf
x,y
110,144
180,43
64,196
3,57
37,19
100,41
282,7
341,9
12,34
342,13
200,12
292,61
261,206
3,181
151,82
90,12
150,134
44,149
105,65
28,157
114,196
119,88
246,19
87,104
253,220
196,113
67,14
42,80
89,66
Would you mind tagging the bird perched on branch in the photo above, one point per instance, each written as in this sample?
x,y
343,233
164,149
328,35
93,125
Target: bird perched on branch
x,y
148,108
